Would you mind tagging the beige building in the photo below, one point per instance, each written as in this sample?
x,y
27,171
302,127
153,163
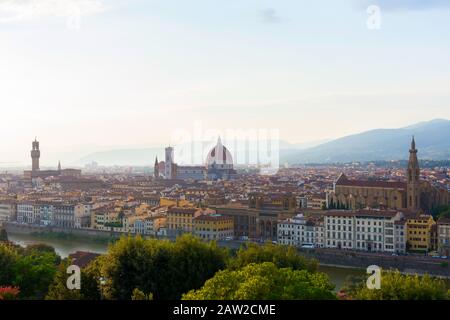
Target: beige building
x,y
8,211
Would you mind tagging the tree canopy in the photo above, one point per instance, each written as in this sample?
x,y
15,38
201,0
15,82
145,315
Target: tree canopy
x,y
162,268
31,269
397,286
281,256
264,281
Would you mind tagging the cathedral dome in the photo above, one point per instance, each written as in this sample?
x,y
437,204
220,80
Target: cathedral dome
x,y
219,155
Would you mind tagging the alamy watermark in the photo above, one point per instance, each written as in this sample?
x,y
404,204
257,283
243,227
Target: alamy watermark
x,y
374,280
374,19
71,10
74,280
257,147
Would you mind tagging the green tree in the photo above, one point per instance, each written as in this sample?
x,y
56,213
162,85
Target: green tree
x,y
8,260
396,286
264,282
34,272
90,283
139,295
58,289
166,269
281,256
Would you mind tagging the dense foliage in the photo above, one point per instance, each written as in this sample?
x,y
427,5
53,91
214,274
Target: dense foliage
x,y
162,268
397,286
140,269
281,256
442,211
31,269
9,293
264,282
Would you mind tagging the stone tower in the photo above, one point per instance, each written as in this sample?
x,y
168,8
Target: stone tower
x,y
168,174
156,168
413,176
35,155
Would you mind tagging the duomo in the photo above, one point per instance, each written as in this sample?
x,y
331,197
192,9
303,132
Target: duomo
x,y
218,166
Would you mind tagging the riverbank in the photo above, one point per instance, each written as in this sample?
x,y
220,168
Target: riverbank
x,y
410,264
327,257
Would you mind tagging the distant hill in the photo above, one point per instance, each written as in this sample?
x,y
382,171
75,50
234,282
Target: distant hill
x,y
146,156
432,139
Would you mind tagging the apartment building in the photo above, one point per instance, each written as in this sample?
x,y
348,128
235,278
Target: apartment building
x,y
82,215
301,231
368,230
214,227
64,215
8,211
419,233
443,233
26,213
144,224
181,220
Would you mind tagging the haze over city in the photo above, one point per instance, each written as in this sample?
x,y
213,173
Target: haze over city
x,y
133,71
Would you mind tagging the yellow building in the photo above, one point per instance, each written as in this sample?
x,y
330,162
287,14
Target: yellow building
x,y
181,220
214,227
419,229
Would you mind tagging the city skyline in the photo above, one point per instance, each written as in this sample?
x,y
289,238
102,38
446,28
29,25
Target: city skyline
x,y
189,143
160,67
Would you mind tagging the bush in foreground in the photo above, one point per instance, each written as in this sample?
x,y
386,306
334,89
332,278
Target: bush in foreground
x,y
264,282
397,286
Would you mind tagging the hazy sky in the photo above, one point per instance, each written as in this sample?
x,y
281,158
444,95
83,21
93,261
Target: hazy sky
x,y
129,72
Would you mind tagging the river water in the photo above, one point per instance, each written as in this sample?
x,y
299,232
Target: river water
x,y
64,247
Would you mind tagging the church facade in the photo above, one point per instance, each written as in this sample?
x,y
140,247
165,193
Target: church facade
x,y
413,194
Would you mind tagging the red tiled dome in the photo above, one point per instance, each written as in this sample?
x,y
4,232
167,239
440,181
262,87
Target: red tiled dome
x,y
219,155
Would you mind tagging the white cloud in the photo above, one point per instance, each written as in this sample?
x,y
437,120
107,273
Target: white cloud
x,y
20,10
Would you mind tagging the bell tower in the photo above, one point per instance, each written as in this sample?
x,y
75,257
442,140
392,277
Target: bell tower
x,y
35,155
156,169
413,176
168,172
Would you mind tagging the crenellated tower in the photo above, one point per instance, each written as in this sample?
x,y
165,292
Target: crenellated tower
x,y
35,155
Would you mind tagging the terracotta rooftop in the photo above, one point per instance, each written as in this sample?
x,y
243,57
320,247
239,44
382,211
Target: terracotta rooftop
x,y
344,181
82,258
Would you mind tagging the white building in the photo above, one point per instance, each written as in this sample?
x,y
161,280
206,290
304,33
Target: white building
x,y
368,230
400,235
26,213
64,215
300,231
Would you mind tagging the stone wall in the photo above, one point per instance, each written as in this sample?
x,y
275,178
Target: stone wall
x,y
405,264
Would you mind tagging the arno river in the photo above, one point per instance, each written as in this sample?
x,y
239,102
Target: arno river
x,y
64,247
